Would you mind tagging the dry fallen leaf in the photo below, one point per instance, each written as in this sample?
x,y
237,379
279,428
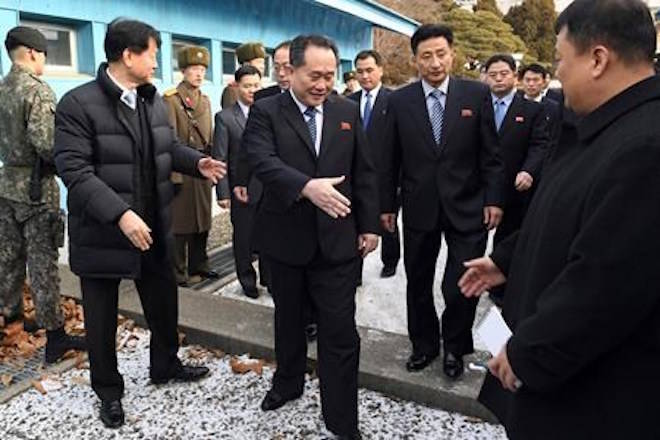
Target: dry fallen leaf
x,y
6,379
37,386
242,366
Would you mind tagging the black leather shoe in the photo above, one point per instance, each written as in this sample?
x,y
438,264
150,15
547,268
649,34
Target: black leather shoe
x,y
417,361
209,274
355,436
452,365
274,400
387,271
251,293
186,373
112,414
311,331
58,343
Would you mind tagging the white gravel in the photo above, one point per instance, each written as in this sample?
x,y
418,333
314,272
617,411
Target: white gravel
x,y
223,406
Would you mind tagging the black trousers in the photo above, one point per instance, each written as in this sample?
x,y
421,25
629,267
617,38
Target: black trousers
x,y
514,213
420,254
158,295
390,248
190,257
331,290
242,219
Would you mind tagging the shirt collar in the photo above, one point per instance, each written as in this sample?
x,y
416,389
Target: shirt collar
x,y
244,108
303,107
373,92
428,88
128,96
506,99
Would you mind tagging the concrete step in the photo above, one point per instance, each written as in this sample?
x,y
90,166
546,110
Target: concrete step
x,y
241,327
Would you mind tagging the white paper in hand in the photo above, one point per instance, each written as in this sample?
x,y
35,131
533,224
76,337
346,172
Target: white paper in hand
x,y
493,331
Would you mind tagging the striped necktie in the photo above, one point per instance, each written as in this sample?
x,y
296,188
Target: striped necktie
x,y
437,115
311,124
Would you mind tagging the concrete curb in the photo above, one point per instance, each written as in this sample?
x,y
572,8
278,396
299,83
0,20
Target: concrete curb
x,y
240,327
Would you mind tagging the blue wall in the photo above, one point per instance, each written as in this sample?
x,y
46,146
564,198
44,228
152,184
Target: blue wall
x,y
211,22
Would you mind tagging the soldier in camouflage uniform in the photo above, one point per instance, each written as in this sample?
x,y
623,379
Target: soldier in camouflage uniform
x,y
31,227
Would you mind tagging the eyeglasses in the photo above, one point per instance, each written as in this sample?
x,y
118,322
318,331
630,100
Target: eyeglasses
x,y
278,67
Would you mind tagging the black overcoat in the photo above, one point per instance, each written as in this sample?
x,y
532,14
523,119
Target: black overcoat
x,y
583,296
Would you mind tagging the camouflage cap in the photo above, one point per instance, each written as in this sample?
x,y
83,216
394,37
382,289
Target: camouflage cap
x,y
349,76
247,52
26,36
194,56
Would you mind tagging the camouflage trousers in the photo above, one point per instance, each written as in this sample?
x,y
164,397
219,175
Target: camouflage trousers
x,y
27,237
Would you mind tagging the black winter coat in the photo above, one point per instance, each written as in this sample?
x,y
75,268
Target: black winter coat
x,y
96,156
582,292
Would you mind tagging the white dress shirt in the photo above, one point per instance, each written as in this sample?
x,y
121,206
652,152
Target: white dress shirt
x,y
428,89
363,98
244,108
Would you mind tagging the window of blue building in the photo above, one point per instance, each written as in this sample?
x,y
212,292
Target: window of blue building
x,y
62,48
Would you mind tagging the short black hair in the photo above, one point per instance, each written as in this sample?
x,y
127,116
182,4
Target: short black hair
x,y
283,45
624,26
246,69
534,68
300,44
501,57
428,31
370,53
128,34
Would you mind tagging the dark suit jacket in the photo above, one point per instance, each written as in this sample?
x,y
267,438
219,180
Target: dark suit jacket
x,y
268,91
378,123
280,151
229,127
582,293
523,139
460,176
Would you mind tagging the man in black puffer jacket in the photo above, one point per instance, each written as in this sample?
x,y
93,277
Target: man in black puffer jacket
x,y
115,150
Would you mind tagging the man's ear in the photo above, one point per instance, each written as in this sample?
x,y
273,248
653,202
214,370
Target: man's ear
x,y
601,57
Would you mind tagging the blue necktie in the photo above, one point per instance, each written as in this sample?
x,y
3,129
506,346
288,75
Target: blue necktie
x,y
500,112
437,115
366,117
311,125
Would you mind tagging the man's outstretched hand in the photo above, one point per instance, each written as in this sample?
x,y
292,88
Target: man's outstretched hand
x,y
323,194
212,169
481,275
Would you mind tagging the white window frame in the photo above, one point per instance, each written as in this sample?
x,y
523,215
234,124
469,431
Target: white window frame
x,y
228,77
73,46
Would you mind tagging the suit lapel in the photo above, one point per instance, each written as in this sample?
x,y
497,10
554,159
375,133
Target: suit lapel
x,y
452,111
331,125
512,112
418,108
239,116
295,118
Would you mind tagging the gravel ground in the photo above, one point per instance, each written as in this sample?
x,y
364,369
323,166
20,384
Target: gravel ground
x,y
221,230
222,406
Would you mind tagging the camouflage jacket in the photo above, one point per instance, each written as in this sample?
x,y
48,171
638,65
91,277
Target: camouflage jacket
x,y
27,119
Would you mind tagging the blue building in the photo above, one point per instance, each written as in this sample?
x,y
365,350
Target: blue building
x,y
76,28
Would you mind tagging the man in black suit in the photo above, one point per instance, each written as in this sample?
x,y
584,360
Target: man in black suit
x,y
533,79
523,136
443,146
372,100
281,69
317,218
582,274
243,191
